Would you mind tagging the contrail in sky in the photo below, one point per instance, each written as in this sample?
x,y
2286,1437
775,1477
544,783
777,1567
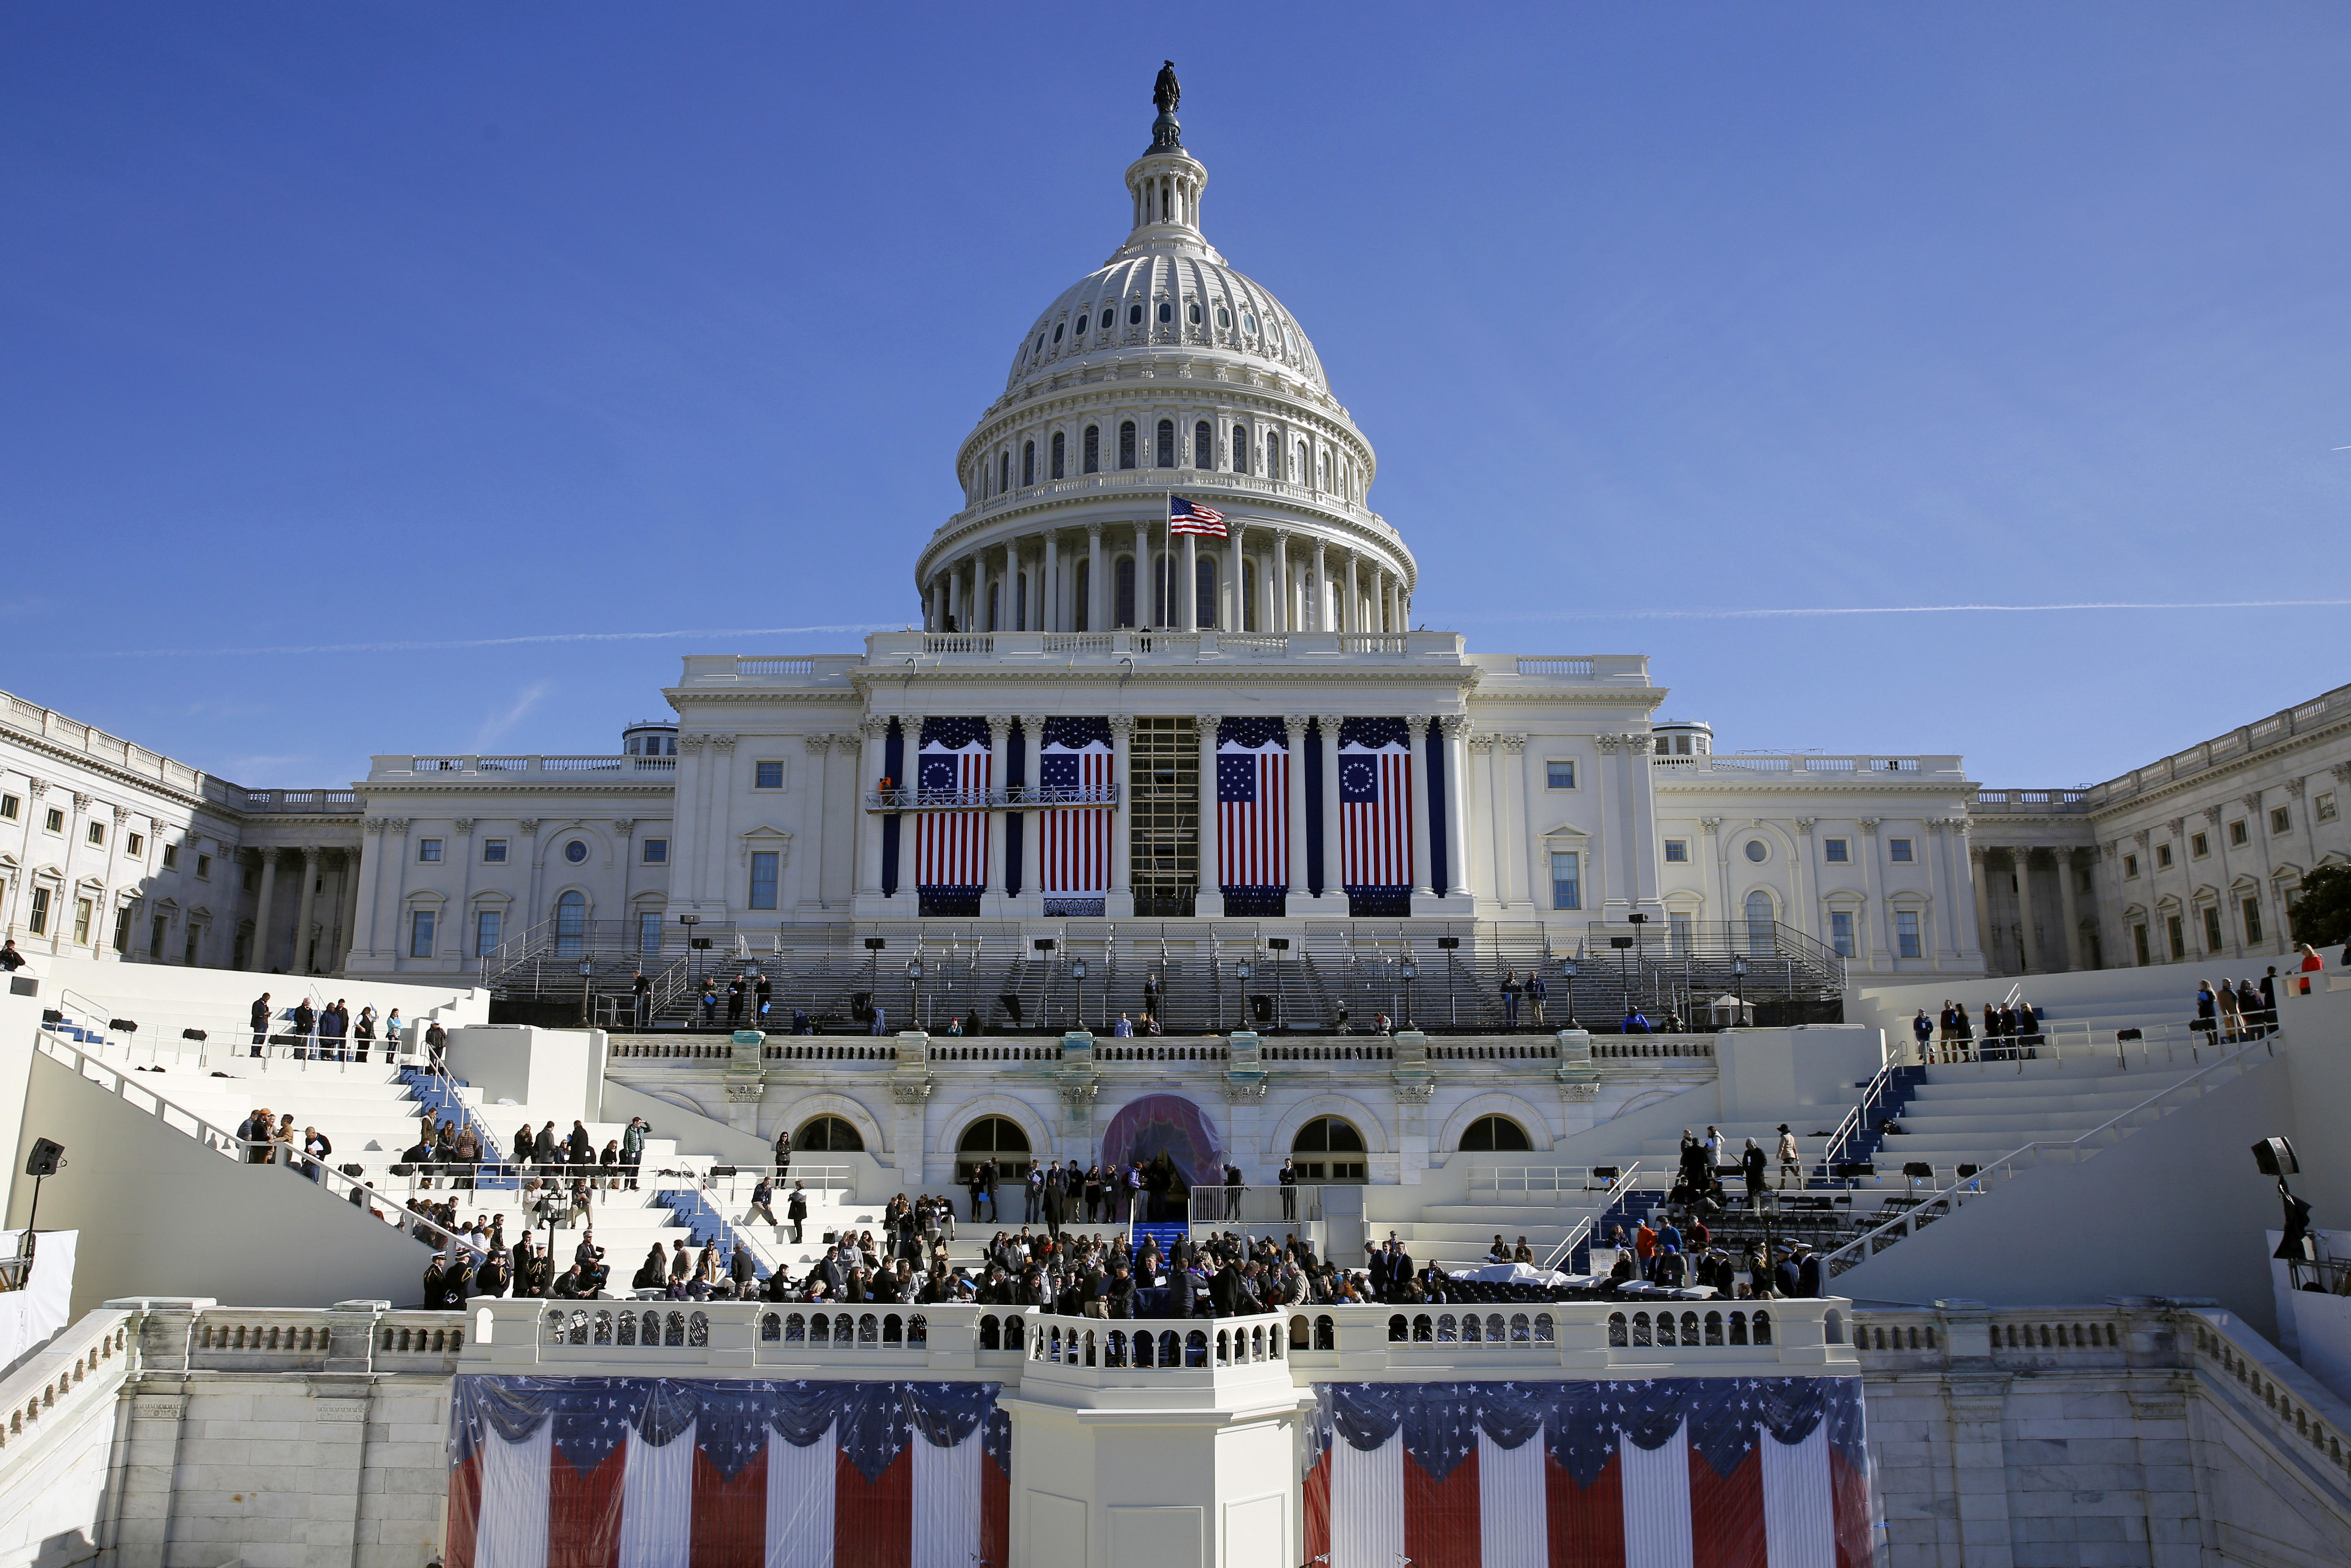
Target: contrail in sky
x,y
1916,609
490,641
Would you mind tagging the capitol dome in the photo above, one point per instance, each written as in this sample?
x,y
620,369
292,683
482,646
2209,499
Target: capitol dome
x,y
1166,379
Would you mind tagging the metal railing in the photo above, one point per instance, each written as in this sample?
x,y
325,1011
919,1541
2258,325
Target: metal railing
x,y
1949,1198
1010,798
171,1038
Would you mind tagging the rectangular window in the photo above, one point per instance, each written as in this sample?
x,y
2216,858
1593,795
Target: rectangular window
x,y
2162,857
156,928
97,833
769,775
1558,775
648,932
1834,851
9,806
2138,945
1677,850
1566,881
494,852
420,934
2178,935
2211,928
428,850
82,913
55,822
2130,865
1906,933
2280,819
2325,805
123,929
488,927
170,857
40,920
136,844
204,870
1840,931
2252,908
1897,849
763,879
2199,846
656,852
2237,834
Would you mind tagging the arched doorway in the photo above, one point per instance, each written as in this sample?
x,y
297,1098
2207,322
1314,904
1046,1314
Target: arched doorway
x,y
1759,937
570,925
999,1138
1328,1149
1164,1123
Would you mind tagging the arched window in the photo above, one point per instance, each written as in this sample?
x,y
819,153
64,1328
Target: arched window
x,y
999,1138
1084,578
1301,470
1093,449
1204,592
1126,442
1028,463
1167,312
1134,314
1491,1134
1204,446
1122,613
1003,473
1328,1149
1060,443
1240,449
570,925
1166,453
829,1135
1759,922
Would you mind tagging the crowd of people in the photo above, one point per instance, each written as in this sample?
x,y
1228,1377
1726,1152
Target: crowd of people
x,y
312,1034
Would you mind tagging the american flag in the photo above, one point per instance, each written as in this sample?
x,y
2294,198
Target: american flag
x,y
1376,804
951,847
1074,850
1252,803
1191,517
735,1473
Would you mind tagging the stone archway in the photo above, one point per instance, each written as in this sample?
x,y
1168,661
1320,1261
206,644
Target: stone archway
x,y
1145,1128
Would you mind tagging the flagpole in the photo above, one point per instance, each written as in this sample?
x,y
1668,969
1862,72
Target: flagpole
x,y
1167,566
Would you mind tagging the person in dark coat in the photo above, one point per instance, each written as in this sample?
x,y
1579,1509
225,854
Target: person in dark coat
x,y
260,1023
1752,1163
740,1268
1808,1271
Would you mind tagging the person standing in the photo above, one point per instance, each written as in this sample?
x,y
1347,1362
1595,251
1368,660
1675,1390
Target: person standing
x,y
795,1210
763,997
306,1022
1924,1033
735,1002
436,1040
1287,1179
633,1150
1510,999
1538,993
643,990
1033,1193
260,1023
1750,1165
1789,1163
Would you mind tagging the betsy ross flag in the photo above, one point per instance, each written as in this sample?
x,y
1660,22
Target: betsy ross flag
x,y
1375,805
1191,517
1073,849
1252,804
548,1472
955,763
1666,1473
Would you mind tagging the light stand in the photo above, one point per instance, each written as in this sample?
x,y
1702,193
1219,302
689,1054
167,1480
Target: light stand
x,y
1411,973
587,978
1078,972
690,922
1242,971
914,994
1739,979
1567,975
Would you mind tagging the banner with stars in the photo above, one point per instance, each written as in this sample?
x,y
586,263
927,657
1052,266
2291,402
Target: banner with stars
x,y
629,1472
1375,822
1686,1472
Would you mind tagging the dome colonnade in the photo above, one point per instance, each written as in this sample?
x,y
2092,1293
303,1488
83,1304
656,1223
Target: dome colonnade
x,y
1165,372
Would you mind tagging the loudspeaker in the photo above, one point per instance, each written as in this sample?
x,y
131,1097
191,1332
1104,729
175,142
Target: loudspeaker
x,y
720,1172
2274,1155
124,1026
1858,1168
2123,1034
197,1035
1967,1171
1606,1173
1918,1168
45,1158
1261,1008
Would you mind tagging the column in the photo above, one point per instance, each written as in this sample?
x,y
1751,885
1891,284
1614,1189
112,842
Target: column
x,y
1144,581
348,938
1053,621
1416,727
300,963
1317,596
1122,830
1715,880
1514,817
260,956
1007,594
955,595
872,739
1187,586
367,941
1281,622
1333,844
1457,820
813,828
1803,907
1210,900
1032,836
1000,735
1983,907
1232,586
2066,911
1294,724
1354,620
1881,922
2027,923
1097,618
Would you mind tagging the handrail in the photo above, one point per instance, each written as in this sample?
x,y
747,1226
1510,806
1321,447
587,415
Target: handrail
x,y
1010,796
162,1035
1589,1226
1862,1248
228,1144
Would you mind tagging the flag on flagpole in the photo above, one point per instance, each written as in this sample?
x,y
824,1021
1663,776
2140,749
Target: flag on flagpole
x,y
548,1472
1191,518
1669,1473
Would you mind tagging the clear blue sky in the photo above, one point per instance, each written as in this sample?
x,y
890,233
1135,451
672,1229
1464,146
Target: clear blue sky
x,y
364,324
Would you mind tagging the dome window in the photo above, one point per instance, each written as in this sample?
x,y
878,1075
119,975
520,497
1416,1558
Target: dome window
x,y
1040,344
1060,447
1166,453
1240,449
1093,449
1224,318
1194,311
1082,319
1126,444
1167,312
1248,321
1057,331
1134,314
1204,446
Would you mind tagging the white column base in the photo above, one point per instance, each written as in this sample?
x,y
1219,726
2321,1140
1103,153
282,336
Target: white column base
x,y
1208,905
1118,906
